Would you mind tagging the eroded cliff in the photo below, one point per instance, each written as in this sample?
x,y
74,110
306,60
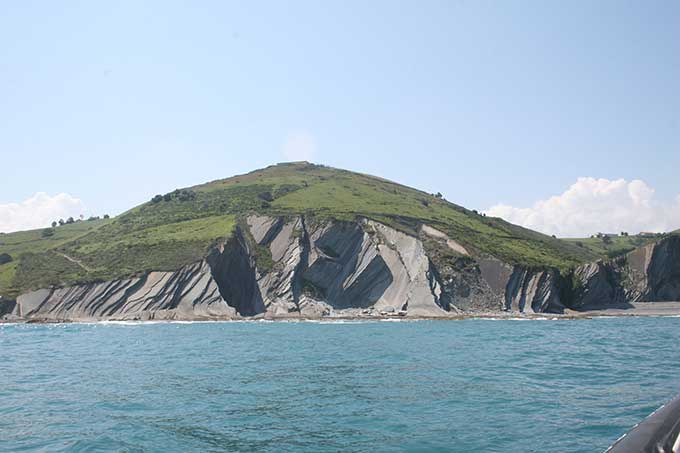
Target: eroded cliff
x,y
297,266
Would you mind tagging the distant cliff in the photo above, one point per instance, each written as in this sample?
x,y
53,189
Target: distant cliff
x,y
648,274
301,240
278,267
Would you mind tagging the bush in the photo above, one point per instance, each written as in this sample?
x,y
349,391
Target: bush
x,y
155,199
54,224
5,258
266,196
185,195
47,232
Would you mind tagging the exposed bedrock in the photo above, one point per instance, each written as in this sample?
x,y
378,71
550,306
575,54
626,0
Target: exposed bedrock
x,y
597,285
462,278
523,289
189,293
648,274
6,306
663,271
233,272
306,267
320,267
535,291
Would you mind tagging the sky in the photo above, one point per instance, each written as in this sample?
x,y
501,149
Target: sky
x,y
560,116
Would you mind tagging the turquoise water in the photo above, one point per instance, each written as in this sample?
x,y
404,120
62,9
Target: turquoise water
x,y
474,385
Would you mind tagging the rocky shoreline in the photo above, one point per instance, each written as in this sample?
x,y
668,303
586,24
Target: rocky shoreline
x,y
643,309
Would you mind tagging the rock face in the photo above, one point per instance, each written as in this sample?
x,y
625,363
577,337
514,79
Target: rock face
x,y
333,266
662,273
598,286
533,290
647,274
190,293
6,306
301,267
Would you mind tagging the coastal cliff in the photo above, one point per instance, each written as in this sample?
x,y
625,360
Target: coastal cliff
x,y
301,240
282,267
650,273
278,267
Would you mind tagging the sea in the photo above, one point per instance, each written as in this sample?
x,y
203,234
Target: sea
x,y
475,385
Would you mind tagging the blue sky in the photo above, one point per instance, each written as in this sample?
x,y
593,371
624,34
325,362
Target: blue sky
x,y
490,103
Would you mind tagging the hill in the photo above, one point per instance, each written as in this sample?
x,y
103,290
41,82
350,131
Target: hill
x,y
612,247
180,227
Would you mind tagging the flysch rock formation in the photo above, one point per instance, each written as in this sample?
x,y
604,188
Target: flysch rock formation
x,y
276,267
190,293
648,274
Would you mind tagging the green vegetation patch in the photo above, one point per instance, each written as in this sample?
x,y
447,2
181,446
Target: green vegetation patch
x,y
34,241
124,248
113,249
607,247
7,272
40,270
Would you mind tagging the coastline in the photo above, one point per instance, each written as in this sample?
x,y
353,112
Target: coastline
x,y
637,309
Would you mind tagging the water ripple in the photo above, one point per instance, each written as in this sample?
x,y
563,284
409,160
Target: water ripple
x,y
474,385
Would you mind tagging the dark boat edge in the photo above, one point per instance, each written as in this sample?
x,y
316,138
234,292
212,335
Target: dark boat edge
x,y
659,432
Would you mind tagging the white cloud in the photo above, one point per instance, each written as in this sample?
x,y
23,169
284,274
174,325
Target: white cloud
x,y
299,145
39,211
593,205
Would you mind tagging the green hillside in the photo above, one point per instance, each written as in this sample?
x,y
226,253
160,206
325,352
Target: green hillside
x,y
180,227
612,247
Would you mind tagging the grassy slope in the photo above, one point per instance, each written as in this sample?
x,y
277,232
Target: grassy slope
x,y
616,246
24,243
169,233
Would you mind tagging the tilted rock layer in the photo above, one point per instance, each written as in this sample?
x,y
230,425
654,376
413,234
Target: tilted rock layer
x,y
648,274
301,267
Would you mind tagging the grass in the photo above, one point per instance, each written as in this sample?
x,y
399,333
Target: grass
x,y
346,195
33,241
180,227
106,251
614,246
7,273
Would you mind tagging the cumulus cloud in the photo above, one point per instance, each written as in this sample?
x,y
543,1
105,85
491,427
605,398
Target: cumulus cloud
x,y
299,145
593,205
39,211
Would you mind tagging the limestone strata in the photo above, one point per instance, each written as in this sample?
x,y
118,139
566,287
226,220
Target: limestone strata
x,y
276,267
648,274
598,285
190,293
660,271
533,290
326,267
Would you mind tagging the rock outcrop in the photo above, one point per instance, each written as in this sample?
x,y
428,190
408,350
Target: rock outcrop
x,y
281,267
333,266
6,306
648,274
661,272
598,285
274,267
189,293
533,290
